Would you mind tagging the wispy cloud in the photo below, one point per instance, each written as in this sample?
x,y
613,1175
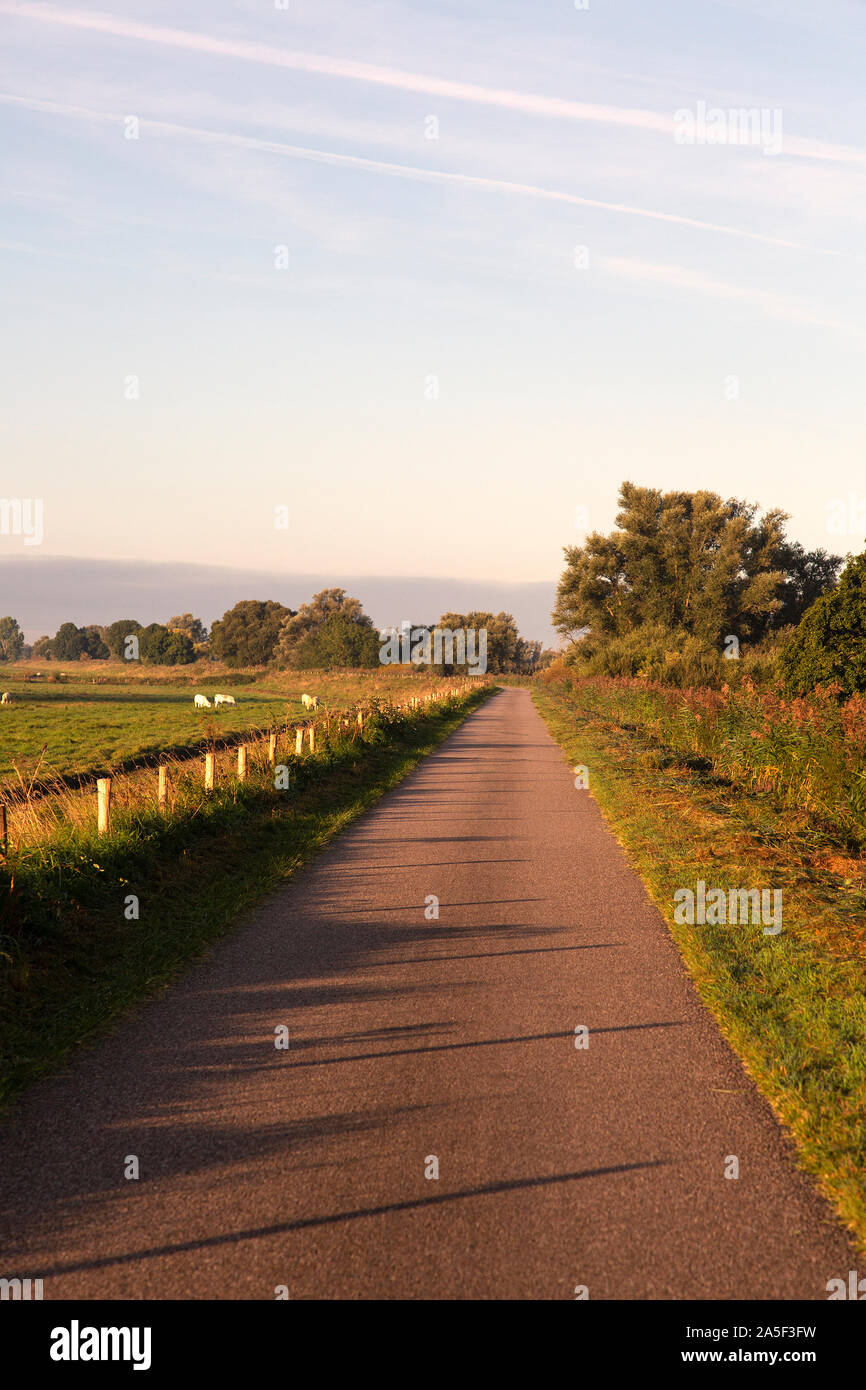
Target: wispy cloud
x,y
682,278
525,103
404,171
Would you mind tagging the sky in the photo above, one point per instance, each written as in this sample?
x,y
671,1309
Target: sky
x,y
408,289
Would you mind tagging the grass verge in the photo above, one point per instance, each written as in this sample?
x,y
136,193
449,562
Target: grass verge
x,y
792,1006
71,963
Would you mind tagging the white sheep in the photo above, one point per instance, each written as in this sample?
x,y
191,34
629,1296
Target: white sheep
x,y
6,698
202,702
224,700
310,701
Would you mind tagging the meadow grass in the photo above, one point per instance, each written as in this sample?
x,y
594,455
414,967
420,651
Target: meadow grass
x,y
86,720
686,807
70,961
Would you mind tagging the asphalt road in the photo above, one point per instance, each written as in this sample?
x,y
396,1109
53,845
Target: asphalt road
x,y
411,1038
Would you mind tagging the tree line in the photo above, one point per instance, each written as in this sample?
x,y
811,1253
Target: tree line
x,y
331,631
177,642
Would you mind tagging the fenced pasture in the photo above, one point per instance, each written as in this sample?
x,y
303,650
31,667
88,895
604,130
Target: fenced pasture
x,y
174,782
70,721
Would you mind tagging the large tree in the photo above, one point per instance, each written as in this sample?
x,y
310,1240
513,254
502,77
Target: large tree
x,y
311,617
247,634
688,562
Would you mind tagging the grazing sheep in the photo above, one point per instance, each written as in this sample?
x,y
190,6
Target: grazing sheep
x,y
6,698
202,702
224,700
310,701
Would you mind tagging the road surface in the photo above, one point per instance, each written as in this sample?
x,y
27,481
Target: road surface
x,y
410,1040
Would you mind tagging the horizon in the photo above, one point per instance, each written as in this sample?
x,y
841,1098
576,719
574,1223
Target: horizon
x,y
79,590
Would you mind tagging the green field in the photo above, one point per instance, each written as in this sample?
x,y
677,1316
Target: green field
x,y
84,726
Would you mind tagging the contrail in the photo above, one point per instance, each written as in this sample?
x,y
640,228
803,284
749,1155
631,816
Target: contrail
x,y
403,171
322,65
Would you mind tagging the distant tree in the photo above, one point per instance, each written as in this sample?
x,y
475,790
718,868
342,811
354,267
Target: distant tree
x,y
11,640
247,634
528,657
42,648
829,644
117,634
504,643
160,647
72,643
191,626
68,643
339,642
397,639
506,649
312,616
151,640
179,650
95,647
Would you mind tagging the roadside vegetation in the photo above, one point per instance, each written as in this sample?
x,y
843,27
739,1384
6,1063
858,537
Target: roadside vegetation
x,y
714,686
792,1006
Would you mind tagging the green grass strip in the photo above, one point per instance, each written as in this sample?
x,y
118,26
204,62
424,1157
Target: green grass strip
x,y
792,1006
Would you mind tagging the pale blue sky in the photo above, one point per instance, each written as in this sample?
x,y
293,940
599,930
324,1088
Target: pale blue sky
x,y
412,259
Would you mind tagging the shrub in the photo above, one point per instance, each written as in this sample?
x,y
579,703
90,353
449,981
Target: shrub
x,y
828,646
